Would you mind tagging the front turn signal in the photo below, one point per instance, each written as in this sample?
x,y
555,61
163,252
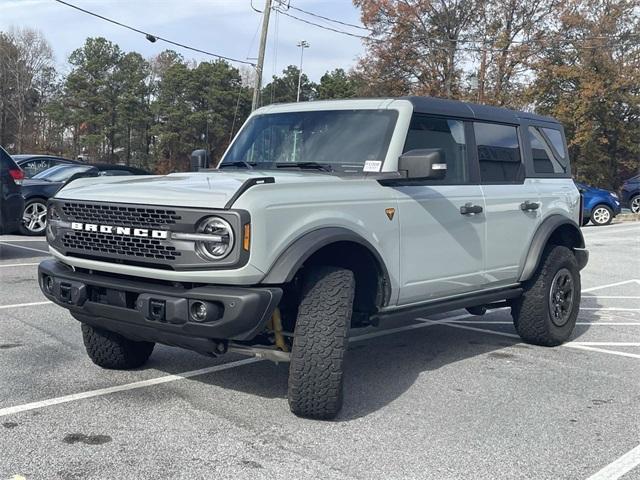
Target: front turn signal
x,y
246,237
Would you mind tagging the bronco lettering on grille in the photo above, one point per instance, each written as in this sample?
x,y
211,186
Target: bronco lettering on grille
x,y
127,231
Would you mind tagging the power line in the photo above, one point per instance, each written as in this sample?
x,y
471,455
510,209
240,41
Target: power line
x,y
331,29
333,20
152,38
474,41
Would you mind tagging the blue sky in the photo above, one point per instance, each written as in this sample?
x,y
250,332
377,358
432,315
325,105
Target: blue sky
x,y
228,27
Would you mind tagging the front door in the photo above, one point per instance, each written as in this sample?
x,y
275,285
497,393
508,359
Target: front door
x,y
441,246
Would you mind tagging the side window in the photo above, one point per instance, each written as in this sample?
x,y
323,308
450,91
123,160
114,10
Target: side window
x,y
498,153
556,140
445,134
545,159
36,165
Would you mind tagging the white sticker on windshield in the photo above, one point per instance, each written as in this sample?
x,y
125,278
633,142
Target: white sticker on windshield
x,y
372,166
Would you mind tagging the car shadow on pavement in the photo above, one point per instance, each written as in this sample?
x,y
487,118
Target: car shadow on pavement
x,y
378,371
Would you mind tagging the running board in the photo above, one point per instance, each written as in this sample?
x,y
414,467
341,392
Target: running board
x,y
448,305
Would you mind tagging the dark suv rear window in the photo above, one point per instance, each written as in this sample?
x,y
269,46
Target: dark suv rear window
x,y
6,162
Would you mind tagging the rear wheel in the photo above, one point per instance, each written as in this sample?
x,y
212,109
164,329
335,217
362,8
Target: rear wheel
x,y
547,311
111,350
34,217
634,204
601,215
320,342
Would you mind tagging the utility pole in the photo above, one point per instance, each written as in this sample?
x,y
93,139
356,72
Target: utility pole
x,y
263,47
482,74
302,44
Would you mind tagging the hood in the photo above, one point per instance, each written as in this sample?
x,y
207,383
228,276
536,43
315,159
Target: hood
x,y
212,189
28,182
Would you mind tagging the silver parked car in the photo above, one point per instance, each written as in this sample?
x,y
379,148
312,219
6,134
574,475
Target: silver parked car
x,y
323,217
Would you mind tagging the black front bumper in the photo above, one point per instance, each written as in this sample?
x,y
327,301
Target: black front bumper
x,y
157,312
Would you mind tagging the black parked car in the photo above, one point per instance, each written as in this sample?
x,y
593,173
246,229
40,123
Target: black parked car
x,y
44,185
11,202
33,164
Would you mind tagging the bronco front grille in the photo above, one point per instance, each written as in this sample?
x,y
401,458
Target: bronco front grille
x,y
100,243
136,235
105,214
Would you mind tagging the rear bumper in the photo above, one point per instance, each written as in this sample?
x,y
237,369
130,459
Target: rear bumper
x,y
157,312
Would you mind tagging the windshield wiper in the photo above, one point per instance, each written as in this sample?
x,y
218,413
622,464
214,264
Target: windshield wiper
x,y
238,164
326,167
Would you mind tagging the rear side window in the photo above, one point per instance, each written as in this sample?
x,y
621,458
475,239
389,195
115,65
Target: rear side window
x,y
547,150
37,165
498,153
445,134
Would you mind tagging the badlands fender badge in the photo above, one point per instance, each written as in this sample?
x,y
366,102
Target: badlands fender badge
x,y
390,212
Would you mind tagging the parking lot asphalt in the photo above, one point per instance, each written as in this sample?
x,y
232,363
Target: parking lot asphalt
x,y
445,397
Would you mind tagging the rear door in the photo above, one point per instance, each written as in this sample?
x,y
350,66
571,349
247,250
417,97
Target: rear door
x,y
551,171
512,201
441,249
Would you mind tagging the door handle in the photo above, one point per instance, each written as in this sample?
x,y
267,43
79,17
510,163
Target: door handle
x,y
470,209
528,206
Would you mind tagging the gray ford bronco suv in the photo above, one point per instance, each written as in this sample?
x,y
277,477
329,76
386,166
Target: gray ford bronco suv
x,y
323,217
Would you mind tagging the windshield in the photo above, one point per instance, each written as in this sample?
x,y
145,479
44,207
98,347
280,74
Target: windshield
x,y
341,139
61,173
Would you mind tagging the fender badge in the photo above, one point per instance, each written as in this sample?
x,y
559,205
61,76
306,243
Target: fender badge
x,y
390,212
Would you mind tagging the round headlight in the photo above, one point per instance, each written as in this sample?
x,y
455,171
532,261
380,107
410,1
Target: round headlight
x,y
221,242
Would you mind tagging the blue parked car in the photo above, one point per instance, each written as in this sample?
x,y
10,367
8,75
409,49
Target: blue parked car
x,y
631,194
600,206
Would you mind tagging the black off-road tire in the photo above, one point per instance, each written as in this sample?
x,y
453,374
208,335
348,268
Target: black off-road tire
x,y
320,342
532,313
111,350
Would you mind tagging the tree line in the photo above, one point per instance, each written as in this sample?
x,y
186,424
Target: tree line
x,y
576,60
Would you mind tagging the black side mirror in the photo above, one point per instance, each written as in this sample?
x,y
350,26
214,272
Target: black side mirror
x,y
425,164
200,159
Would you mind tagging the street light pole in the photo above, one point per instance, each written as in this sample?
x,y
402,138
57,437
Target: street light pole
x,y
302,44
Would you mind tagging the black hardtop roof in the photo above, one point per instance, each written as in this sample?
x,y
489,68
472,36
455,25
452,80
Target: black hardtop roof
x,y
441,106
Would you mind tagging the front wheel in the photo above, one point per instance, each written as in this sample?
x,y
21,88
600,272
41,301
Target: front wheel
x,y
546,313
634,204
113,351
601,215
34,218
320,342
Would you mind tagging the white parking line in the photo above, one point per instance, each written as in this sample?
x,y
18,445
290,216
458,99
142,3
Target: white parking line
x,y
121,388
577,345
601,350
617,284
607,344
611,309
413,326
499,322
24,248
20,305
596,297
620,467
41,240
466,327
18,265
